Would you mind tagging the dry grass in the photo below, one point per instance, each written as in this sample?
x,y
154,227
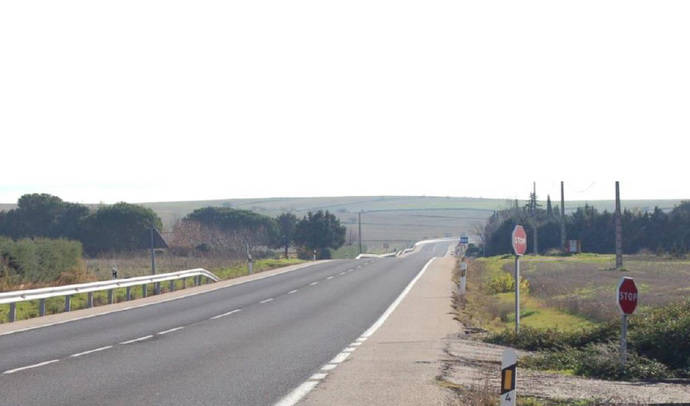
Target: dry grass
x,y
586,286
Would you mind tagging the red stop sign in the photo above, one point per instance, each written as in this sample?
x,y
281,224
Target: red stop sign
x,y
627,295
519,240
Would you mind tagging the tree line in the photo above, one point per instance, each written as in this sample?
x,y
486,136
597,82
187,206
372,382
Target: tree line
x,y
656,231
125,227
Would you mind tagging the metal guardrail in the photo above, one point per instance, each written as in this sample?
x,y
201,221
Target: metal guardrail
x,y
67,291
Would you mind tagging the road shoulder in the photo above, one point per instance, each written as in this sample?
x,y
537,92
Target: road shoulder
x,y
399,363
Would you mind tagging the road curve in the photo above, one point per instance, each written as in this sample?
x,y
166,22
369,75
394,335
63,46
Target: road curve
x,y
247,344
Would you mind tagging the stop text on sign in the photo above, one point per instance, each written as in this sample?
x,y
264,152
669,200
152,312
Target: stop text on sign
x,y
629,296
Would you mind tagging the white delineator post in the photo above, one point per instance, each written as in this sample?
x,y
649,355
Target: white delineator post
x,y
508,377
463,277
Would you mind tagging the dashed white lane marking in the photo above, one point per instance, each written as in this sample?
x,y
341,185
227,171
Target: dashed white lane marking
x,y
342,273
298,267
170,330
292,291
136,340
313,283
340,358
301,391
270,299
330,277
79,354
40,364
225,314
318,376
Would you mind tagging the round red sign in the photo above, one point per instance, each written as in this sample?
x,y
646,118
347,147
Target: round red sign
x,y
627,295
519,240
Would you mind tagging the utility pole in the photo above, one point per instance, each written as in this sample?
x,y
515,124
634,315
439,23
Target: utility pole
x,y
534,217
156,286
359,222
563,247
619,230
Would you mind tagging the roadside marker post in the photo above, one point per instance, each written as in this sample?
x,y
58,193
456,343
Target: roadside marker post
x,y
626,296
519,242
463,276
508,377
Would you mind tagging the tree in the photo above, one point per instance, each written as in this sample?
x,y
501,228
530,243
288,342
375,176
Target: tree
x,y
43,215
119,227
549,208
287,225
240,229
320,231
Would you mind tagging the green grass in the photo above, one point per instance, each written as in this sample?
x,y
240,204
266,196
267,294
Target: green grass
x,y
240,269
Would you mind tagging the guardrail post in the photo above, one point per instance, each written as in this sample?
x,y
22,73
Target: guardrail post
x,y
110,296
68,303
157,288
196,281
184,283
12,315
89,300
172,285
129,293
42,307
143,290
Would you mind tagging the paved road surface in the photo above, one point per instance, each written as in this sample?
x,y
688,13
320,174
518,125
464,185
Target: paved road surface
x,y
248,344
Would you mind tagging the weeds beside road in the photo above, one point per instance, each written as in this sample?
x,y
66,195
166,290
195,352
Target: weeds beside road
x,y
563,319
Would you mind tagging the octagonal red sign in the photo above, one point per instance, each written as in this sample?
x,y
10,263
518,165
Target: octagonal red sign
x,y
627,295
519,240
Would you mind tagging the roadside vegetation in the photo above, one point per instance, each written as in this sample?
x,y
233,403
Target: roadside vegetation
x,y
571,321
45,241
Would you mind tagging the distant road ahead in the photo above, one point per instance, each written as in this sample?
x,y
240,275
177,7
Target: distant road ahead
x,y
249,344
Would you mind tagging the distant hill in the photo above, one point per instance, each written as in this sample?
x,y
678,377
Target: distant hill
x,y
392,220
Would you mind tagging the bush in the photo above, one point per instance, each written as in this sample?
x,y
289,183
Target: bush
x,y
39,260
504,283
599,360
663,334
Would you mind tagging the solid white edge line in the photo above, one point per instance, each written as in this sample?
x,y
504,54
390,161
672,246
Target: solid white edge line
x,y
340,358
318,376
305,265
301,391
79,354
170,330
136,340
296,395
40,364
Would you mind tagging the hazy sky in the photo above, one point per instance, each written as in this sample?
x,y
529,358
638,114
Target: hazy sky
x,y
183,100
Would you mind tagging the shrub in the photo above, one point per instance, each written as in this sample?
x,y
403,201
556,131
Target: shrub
x,y
39,260
599,360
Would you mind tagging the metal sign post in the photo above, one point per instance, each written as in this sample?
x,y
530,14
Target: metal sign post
x,y
508,377
519,241
463,277
626,296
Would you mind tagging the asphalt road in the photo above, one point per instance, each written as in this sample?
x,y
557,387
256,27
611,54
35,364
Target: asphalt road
x,y
248,344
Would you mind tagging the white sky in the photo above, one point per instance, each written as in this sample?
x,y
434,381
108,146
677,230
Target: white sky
x,y
173,100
